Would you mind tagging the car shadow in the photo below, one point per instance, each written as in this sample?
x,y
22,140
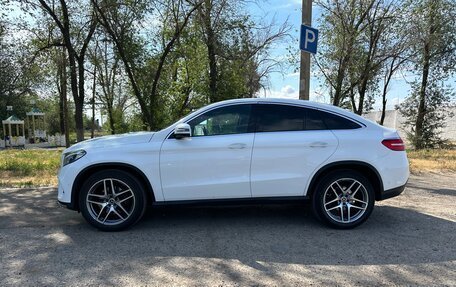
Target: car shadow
x,y
290,234
441,191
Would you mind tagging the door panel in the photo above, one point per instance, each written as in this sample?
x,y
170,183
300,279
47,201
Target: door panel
x,y
282,162
206,167
290,143
215,161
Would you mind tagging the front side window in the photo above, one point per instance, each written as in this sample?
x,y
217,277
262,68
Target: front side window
x,y
233,119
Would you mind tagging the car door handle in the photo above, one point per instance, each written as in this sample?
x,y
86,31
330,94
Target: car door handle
x,y
237,146
319,144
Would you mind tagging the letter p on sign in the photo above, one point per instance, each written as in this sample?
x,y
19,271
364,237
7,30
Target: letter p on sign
x,y
309,39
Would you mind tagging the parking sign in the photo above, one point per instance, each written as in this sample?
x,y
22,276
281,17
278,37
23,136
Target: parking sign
x,y
309,39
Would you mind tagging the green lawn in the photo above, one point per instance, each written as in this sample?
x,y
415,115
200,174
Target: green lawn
x,y
37,167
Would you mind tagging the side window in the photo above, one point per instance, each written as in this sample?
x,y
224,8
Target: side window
x,y
222,121
319,120
334,122
274,118
315,120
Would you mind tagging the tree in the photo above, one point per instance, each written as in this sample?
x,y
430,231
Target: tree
x,y
437,101
76,28
434,57
117,19
373,51
18,75
342,23
200,52
113,90
235,43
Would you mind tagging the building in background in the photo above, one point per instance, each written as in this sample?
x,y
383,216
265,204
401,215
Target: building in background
x,y
393,119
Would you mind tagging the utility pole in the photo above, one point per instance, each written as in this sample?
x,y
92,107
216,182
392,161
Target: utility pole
x,y
304,71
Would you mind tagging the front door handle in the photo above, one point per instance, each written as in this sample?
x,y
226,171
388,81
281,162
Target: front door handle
x,y
237,146
319,144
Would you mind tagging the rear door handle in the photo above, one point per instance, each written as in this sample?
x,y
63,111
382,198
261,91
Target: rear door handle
x,y
237,146
319,144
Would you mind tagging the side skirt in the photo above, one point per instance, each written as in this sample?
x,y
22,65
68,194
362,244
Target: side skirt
x,y
234,201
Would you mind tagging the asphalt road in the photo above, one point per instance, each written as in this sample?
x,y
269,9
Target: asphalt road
x,y
409,240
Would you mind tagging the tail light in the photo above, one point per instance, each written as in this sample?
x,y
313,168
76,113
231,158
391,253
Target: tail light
x,y
394,144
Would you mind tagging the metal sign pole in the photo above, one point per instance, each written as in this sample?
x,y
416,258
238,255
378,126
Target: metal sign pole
x,y
304,71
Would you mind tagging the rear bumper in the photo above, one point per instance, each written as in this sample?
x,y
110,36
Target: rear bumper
x,y
392,192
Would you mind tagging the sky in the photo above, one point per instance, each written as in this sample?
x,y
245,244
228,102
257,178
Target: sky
x,y
286,85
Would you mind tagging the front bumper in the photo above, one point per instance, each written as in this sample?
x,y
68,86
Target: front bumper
x,y
392,192
66,205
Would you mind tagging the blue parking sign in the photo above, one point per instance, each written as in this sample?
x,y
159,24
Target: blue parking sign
x,y
309,39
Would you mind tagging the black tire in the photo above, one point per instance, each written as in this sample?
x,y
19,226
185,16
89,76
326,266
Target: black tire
x,y
324,194
128,207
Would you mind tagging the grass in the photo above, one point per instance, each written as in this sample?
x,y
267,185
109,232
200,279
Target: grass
x,y
23,168
39,167
434,160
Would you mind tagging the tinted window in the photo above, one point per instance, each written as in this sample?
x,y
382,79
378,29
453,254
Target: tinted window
x,y
331,121
273,118
315,120
222,121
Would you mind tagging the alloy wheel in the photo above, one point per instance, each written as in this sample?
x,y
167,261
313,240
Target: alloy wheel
x,y
110,201
345,200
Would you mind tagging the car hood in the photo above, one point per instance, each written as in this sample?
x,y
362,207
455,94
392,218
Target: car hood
x,y
113,140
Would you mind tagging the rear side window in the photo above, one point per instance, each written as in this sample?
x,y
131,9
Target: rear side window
x,y
316,120
275,118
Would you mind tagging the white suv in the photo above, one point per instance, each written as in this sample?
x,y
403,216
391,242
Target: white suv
x,y
249,150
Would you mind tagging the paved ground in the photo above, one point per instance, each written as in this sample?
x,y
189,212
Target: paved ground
x,y
409,240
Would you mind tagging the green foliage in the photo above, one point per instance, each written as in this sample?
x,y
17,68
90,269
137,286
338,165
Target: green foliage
x,y
434,57
438,99
152,59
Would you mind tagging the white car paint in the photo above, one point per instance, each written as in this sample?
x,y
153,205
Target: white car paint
x,y
206,167
283,162
240,165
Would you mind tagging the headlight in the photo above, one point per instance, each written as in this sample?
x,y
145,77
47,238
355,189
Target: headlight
x,y
73,156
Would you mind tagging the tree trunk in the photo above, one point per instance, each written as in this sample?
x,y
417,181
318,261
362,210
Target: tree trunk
x,y
205,14
340,81
111,119
386,83
419,144
63,98
212,70
75,92
61,76
92,134
362,93
352,99
80,105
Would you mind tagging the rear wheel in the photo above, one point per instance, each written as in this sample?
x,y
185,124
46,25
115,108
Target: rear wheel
x,y
343,199
112,200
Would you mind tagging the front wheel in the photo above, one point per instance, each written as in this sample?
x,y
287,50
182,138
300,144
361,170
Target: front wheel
x,y
112,200
343,199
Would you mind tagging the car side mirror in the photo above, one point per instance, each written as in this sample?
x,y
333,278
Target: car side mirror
x,y
182,130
